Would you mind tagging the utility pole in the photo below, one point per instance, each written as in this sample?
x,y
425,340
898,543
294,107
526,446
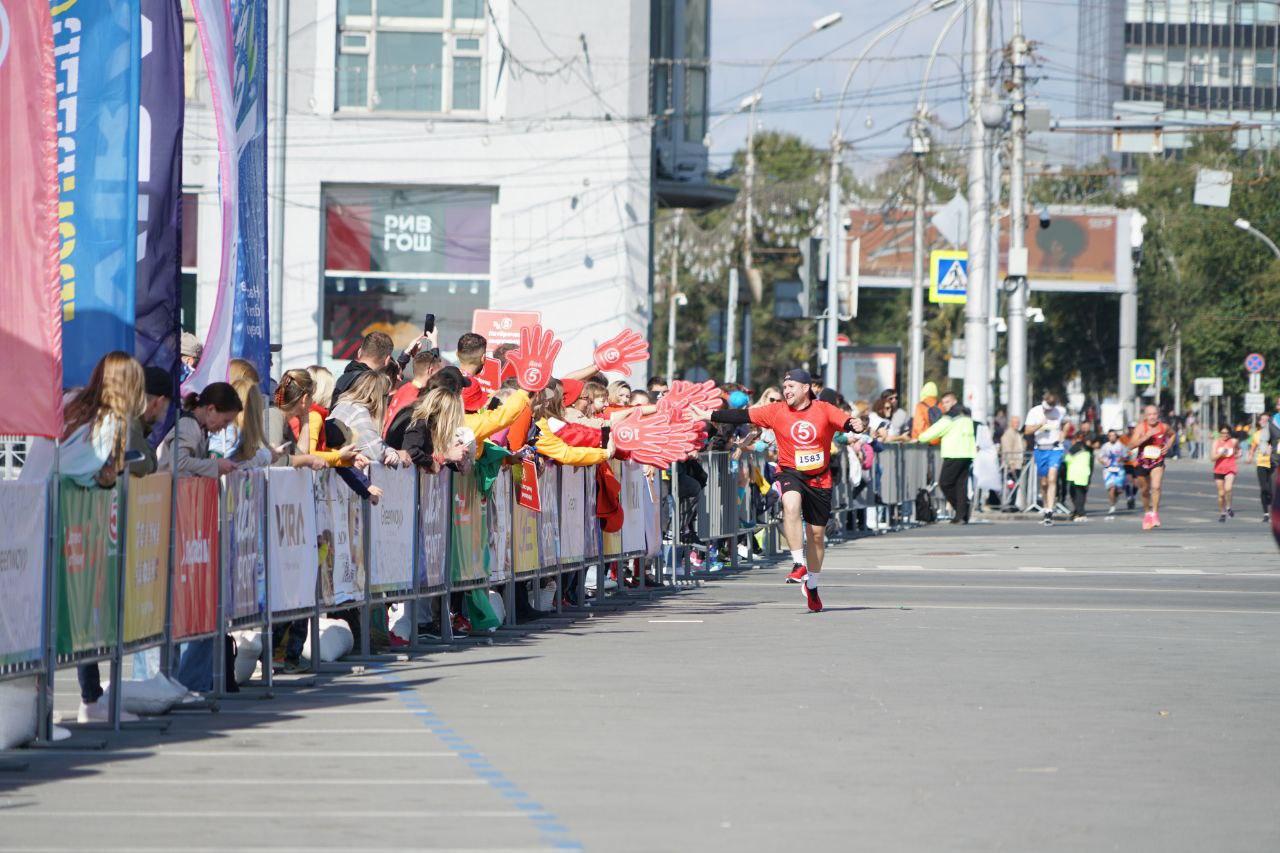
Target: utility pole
x,y
976,332
835,249
1017,267
275,297
1177,370
730,369
915,357
672,296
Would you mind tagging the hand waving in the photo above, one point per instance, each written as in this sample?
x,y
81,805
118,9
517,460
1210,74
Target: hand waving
x,y
535,358
655,439
618,353
685,397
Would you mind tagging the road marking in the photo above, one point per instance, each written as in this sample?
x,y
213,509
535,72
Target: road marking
x,y
958,570
910,606
1043,569
236,752
273,814
898,568
309,849
675,621
115,780
1179,571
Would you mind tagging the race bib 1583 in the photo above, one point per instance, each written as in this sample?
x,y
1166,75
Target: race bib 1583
x,y
809,460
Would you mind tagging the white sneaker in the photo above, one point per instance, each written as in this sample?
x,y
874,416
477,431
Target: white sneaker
x,y
1111,510
100,712
57,733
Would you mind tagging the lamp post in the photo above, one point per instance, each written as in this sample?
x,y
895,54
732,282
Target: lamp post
x,y
678,301
1246,225
834,249
982,118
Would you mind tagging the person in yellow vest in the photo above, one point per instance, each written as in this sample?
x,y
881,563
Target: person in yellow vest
x,y
1079,473
1261,453
957,436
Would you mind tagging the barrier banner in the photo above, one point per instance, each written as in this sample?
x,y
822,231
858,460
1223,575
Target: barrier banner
x,y
146,555
592,531
501,560
30,281
433,518
573,519
339,540
468,536
246,510
87,566
653,518
392,529
24,508
548,519
524,527
634,493
611,543
162,97
291,539
98,50
195,577
530,492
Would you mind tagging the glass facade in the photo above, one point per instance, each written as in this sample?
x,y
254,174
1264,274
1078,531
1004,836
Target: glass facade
x,y
395,254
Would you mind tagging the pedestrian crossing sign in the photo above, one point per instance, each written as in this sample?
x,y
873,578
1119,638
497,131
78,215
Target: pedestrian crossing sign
x,y
948,276
1142,371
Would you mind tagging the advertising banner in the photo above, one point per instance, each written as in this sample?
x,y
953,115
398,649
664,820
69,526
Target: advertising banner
x,y
653,519
246,511
162,98
548,519
22,544
340,540
433,516
573,519
291,539
392,529
30,281
468,535
592,527
501,560
87,566
530,495
195,577
250,331
502,327
524,533
611,543
634,494
146,555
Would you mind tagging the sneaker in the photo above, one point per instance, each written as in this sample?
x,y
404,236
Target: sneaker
x,y
811,598
291,667
1111,510
1231,513
1080,519
1222,518
461,625
1147,524
799,572
1155,519
1047,521
100,712
1266,517
1132,502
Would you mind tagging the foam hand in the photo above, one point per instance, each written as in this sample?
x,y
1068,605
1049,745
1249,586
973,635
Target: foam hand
x,y
686,395
655,439
620,352
535,358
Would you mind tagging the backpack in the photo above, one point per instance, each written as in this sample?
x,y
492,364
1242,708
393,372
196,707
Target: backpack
x,y
934,414
924,508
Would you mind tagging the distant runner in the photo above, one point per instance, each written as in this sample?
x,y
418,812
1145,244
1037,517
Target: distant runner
x,y
804,429
1111,457
1148,444
1044,425
1225,454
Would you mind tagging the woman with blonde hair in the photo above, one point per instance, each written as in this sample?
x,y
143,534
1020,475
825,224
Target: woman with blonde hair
x,y
304,420
324,382
769,395
360,409
432,437
252,449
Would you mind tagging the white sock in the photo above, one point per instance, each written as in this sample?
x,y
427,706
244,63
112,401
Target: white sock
x,y
797,557
811,581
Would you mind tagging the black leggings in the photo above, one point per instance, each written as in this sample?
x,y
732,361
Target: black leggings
x,y
1264,486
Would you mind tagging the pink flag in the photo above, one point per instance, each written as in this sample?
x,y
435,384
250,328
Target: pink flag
x,y
30,287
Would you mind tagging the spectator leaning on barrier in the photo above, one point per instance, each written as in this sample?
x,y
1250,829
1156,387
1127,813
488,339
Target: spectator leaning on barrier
x,y
159,395
209,411
926,410
374,354
957,434
360,410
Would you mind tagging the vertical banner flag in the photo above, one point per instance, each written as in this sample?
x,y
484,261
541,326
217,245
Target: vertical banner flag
x,y
195,577
30,283
87,568
22,540
291,539
97,46
158,299
233,42
433,521
246,582
146,555
392,529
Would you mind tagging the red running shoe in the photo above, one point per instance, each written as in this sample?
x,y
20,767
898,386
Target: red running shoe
x,y
798,573
811,598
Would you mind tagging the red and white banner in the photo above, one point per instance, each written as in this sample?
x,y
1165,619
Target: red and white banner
x,y
30,288
502,327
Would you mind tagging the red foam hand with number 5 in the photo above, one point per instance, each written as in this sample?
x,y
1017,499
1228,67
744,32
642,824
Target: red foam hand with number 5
x,y
685,395
655,439
536,357
620,352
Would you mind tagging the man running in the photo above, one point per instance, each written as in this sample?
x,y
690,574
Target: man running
x,y
1044,424
804,429
1149,442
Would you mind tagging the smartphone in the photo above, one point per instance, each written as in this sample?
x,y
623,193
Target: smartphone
x,y
428,324
132,456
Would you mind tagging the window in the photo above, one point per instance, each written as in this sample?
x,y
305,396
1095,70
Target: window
x,y
1199,57
1134,10
1221,67
190,260
1176,70
411,56
1153,73
393,254
695,78
1179,12
1264,70
1133,66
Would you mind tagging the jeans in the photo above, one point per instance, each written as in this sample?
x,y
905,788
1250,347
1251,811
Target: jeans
x,y
90,683
954,482
1078,495
195,665
1264,485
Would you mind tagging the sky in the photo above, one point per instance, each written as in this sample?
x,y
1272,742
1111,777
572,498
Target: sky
x,y
801,90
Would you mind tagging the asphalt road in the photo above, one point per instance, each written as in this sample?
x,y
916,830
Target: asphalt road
x,y
998,686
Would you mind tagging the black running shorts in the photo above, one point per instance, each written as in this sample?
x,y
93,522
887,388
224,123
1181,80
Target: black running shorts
x,y
815,503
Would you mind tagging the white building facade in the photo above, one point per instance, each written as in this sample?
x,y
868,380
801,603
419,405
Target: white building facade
x,y
447,155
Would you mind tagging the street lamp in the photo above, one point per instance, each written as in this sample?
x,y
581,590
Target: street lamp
x,y
745,104
678,300
1246,225
833,190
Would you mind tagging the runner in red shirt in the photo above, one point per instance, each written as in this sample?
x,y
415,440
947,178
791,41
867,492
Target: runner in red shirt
x,y
1148,443
804,429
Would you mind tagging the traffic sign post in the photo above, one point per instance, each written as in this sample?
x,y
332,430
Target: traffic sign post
x,y
948,277
1208,386
1255,363
1142,371
1255,383
1255,404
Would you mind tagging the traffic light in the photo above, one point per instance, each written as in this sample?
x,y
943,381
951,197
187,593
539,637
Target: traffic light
x,y
813,276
